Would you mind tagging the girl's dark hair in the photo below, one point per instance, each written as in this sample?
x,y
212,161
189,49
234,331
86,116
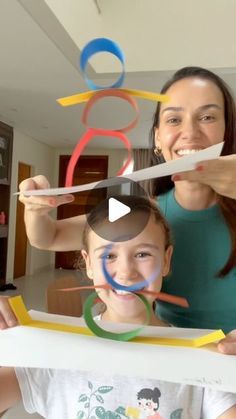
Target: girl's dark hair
x,y
162,185
149,394
137,204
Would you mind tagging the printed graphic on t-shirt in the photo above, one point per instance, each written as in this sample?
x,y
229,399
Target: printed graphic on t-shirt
x,y
148,406
92,404
148,402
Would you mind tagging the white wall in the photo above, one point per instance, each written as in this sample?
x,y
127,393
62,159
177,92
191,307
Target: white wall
x,y
41,158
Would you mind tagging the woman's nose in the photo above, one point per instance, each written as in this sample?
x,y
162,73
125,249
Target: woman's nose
x,y
189,129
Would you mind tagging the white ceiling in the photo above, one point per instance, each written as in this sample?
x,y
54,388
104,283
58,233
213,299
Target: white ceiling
x,y
40,43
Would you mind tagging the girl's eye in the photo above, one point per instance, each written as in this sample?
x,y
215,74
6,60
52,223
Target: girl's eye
x,y
142,255
109,256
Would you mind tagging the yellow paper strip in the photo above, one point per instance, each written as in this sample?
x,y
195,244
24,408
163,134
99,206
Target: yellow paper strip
x,y
84,97
24,319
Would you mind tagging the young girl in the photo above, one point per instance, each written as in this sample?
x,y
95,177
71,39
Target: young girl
x,y
130,258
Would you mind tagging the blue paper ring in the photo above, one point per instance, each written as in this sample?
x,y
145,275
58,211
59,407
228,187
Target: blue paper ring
x,y
135,287
101,45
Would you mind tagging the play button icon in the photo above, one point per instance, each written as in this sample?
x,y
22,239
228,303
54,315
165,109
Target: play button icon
x,y
116,210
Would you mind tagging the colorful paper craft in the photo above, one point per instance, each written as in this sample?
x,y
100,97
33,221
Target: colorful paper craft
x,y
24,319
169,168
33,347
84,97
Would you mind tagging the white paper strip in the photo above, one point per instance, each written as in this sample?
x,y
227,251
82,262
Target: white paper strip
x,y
169,168
32,347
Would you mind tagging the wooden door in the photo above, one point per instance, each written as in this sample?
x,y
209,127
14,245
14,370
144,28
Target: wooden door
x,y
89,169
20,236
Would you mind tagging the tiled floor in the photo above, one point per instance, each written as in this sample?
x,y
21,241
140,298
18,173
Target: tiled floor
x,y
32,289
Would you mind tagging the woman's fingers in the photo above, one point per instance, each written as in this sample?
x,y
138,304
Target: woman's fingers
x,y
35,203
7,317
219,174
41,204
36,182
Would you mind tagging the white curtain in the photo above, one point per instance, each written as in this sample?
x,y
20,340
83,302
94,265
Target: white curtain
x,y
141,157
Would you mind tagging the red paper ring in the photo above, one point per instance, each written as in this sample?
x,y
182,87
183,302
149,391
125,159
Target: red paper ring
x,y
86,138
111,92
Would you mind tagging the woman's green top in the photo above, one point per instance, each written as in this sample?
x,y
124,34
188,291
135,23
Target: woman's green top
x,y
201,248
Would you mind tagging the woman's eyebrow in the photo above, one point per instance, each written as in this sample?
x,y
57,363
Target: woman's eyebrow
x,y
210,105
202,108
172,108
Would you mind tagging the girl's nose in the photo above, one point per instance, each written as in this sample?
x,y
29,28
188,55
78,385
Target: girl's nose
x,y
126,271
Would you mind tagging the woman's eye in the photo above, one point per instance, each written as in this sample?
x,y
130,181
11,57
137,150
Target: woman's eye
x,y
173,121
207,118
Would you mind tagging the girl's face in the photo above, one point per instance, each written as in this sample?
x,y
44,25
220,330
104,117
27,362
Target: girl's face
x,y
193,118
128,262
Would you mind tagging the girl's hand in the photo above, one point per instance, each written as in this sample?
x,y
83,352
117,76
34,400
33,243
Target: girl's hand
x,y
7,317
219,174
228,344
41,204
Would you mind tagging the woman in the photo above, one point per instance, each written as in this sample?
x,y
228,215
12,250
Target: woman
x,y
200,113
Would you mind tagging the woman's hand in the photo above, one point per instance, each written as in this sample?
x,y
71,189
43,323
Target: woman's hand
x,y
219,174
7,317
228,344
40,204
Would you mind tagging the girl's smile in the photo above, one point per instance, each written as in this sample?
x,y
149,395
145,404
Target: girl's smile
x,y
128,263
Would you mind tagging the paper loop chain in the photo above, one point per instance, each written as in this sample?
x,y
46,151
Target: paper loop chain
x,y
111,92
98,331
101,45
85,139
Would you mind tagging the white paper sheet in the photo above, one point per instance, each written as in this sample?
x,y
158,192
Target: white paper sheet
x,y
169,168
32,347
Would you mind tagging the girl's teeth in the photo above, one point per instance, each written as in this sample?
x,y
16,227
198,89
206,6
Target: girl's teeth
x,y
186,152
121,292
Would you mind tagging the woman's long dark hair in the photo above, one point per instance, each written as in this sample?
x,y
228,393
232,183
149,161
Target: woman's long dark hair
x,y
162,185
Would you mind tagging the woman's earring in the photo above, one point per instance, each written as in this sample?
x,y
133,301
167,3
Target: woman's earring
x,y
158,151
90,273
159,155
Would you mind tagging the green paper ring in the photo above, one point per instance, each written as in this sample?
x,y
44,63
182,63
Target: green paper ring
x,y
98,331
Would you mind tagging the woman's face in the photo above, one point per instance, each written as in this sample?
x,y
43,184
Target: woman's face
x,y
193,118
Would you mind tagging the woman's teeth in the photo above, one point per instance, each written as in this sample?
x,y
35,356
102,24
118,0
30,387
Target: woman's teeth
x,y
187,151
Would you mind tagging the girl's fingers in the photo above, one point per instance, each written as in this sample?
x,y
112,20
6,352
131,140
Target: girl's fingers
x,y
7,317
228,344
